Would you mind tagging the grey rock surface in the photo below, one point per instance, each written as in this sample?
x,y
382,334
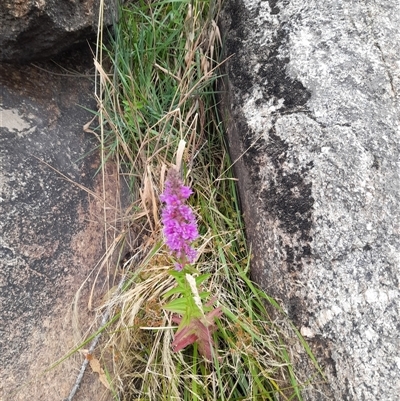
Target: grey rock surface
x,y
38,29
51,229
313,118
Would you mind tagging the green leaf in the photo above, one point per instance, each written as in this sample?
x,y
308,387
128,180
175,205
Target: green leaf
x,y
203,277
173,291
177,306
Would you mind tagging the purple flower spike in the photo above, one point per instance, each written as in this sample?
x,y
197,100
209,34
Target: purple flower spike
x,y
180,227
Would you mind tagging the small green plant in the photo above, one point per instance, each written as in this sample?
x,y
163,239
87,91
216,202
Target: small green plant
x,y
196,321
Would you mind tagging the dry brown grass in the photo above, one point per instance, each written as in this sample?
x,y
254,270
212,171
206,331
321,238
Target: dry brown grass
x,y
158,95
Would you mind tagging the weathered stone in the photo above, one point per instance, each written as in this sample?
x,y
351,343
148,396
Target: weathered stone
x,y
38,29
313,118
51,229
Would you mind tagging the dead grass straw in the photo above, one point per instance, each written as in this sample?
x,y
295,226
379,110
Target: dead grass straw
x,y
157,91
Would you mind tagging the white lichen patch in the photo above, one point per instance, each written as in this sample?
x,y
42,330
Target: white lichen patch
x,y
12,120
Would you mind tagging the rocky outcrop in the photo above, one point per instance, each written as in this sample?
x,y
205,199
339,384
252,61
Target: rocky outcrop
x,y
38,29
51,227
313,124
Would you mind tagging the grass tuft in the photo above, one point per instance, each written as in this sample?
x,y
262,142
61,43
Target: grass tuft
x,y
157,82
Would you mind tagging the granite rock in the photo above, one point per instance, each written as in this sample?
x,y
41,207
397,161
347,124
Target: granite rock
x,y
313,116
51,227
39,29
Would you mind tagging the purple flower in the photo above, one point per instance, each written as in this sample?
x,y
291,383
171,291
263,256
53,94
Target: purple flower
x,y
180,227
